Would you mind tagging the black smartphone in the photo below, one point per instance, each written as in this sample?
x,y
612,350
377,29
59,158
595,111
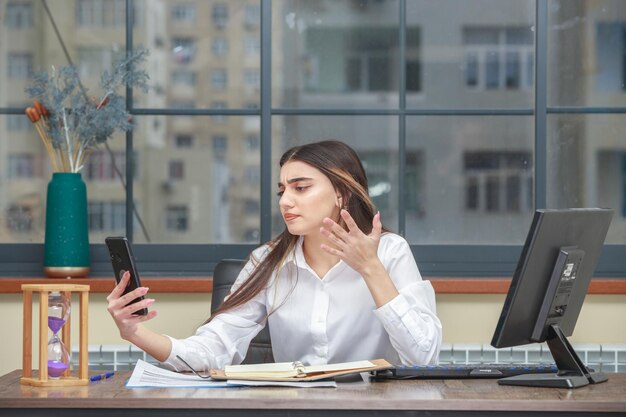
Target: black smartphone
x,y
122,260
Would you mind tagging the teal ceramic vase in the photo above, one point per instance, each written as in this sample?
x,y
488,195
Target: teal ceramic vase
x,y
66,247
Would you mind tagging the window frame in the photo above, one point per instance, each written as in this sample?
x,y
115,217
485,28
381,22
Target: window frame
x,y
433,260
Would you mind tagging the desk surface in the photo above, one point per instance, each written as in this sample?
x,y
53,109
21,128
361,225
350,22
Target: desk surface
x,y
437,397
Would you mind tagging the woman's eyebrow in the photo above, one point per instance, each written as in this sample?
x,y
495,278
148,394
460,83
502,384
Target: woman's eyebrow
x,y
291,181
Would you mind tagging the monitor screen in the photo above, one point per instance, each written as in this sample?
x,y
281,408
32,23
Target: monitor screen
x,y
548,289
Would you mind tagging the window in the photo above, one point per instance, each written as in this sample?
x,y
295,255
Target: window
x,y
21,166
183,50
218,105
252,79
19,15
176,170
220,15
184,13
18,122
101,13
220,47
20,65
106,216
220,143
498,181
100,167
183,141
184,77
19,218
177,218
219,79
252,16
251,45
498,58
93,61
611,52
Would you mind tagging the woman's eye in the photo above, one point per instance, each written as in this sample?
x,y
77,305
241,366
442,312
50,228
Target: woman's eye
x,y
302,188
280,193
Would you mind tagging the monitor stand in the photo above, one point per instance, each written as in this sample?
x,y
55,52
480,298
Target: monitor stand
x,y
572,371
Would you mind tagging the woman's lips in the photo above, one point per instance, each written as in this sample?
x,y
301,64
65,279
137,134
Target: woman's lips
x,y
289,217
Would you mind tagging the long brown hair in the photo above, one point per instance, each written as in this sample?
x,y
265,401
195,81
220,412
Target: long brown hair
x,y
342,166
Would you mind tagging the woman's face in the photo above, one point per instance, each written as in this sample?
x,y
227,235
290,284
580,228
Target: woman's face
x,y
306,197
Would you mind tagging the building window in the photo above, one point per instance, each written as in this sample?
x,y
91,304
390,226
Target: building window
x,y
218,105
19,218
183,141
21,166
101,13
19,15
99,166
220,15
18,122
106,216
184,13
219,79
252,16
252,142
220,144
183,50
610,73
252,79
498,182
177,218
498,58
184,77
219,47
176,170
93,61
252,45
20,65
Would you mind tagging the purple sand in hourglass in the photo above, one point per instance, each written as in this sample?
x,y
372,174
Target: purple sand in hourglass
x,y
56,368
55,324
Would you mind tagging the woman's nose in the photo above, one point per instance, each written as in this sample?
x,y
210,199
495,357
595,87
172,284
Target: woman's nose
x,y
285,201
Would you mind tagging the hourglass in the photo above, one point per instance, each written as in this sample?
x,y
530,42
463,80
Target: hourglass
x,y
54,314
59,307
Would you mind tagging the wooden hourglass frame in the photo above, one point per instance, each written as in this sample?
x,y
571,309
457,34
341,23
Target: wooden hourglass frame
x,y
27,348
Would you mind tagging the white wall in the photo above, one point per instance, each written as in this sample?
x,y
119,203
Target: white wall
x,y
465,318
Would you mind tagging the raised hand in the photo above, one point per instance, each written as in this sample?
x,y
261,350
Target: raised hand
x,y
123,315
354,247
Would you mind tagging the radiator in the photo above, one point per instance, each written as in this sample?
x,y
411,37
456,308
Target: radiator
x,y
606,358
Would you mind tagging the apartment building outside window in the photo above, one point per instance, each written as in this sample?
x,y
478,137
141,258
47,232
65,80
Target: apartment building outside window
x,y
19,15
498,58
184,78
19,218
185,13
21,165
99,166
101,13
183,141
176,170
106,216
19,65
220,15
252,16
177,218
183,49
219,79
498,181
219,47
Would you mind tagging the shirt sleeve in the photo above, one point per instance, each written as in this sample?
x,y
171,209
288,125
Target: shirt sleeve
x,y
225,339
410,318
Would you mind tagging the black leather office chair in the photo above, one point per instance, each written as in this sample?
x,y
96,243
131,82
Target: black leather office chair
x,y
226,271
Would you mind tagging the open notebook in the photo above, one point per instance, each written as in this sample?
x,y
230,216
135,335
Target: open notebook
x,y
295,371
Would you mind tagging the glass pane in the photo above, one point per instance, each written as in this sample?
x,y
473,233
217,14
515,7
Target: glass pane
x,y
375,138
587,166
587,53
24,175
472,54
469,179
198,181
335,54
202,53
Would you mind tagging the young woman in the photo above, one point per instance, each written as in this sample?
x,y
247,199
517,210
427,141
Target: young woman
x,y
335,286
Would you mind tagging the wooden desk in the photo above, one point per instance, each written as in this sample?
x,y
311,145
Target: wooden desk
x,y
434,398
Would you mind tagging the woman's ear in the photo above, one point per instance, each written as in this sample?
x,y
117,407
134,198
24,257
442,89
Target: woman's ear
x,y
338,200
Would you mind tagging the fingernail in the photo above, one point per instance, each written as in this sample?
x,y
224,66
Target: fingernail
x,y
150,301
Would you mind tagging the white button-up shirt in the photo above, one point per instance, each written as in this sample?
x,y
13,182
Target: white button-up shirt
x,y
328,320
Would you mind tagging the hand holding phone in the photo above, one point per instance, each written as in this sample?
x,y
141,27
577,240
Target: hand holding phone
x,y
122,260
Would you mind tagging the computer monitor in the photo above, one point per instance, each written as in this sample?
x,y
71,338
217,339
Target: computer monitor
x,y
548,289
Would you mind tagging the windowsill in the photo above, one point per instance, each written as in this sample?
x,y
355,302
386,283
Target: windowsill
x,y
442,285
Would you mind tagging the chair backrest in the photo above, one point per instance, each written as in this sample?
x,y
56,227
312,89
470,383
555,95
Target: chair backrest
x,y
226,271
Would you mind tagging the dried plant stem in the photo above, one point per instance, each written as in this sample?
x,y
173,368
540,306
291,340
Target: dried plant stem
x,y
67,140
45,139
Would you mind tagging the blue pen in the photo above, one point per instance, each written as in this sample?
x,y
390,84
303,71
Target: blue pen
x,y
102,376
